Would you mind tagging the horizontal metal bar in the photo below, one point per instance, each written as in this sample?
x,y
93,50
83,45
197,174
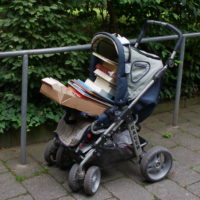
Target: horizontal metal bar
x,y
86,46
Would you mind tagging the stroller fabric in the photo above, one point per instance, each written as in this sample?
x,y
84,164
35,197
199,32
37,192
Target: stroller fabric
x,y
136,69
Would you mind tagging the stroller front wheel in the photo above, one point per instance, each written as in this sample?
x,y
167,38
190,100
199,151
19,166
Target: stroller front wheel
x,y
92,180
156,163
73,180
50,152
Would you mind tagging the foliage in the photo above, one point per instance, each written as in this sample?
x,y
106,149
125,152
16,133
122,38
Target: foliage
x,y
42,24
167,135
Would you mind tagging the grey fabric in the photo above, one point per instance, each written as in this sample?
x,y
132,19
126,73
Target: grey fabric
x,y
140,70
71,134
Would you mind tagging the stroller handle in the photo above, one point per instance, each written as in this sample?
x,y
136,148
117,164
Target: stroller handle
x,y
167,25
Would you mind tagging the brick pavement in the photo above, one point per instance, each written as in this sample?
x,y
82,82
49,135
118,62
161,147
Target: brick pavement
x,y
36,181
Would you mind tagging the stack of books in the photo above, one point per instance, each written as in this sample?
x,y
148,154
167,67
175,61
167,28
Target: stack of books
x,y
102,89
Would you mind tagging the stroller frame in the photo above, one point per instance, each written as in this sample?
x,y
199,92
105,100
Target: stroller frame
x,y
78,174
127,114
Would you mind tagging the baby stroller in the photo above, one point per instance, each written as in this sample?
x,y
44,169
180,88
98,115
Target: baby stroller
x,y
89,143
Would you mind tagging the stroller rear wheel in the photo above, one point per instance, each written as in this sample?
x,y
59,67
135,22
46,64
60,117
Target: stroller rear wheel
x,y
156,163
50,152
92,180
62,158
73,180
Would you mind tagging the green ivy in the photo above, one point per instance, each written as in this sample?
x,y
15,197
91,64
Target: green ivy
x,y
41,24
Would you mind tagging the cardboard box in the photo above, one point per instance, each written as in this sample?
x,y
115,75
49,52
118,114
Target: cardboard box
x,y
59,93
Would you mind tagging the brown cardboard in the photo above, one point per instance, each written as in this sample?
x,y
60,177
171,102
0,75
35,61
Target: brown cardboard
x,y
59,93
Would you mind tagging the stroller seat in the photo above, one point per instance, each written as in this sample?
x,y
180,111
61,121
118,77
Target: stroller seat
x,y
71,134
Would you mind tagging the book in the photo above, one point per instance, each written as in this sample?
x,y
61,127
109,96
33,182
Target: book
x,y
99,91
104,58
110,71
80,93
106,86
104,76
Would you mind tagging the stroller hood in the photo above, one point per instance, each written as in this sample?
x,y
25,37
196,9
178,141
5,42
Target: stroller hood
x,y
109,46
135,68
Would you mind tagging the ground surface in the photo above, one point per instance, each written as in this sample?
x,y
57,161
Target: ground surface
x,y
36,181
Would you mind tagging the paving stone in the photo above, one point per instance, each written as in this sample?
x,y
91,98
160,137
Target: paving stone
x,y
156,124
24,170
191,128
126,189
37,152
22,197
101,194
196,168
66,198
9,187
195,188
190,116
187,140
44,187
7,154
182,175
168,190
185,156
60,175
2,168
66,186
110,174
158,139
131,170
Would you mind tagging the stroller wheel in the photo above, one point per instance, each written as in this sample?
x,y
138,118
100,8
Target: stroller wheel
x,y
62,159
50,152
156,164
74,182
92,180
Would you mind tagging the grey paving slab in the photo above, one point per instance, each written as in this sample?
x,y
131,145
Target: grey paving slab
x,y
24,170
110,174
2,168
155,125
191,128
44,187
185,156
158,139
187,141
60,175
195,188
7,154
9,187
182,175
66,198
101,194
189,115
196,168
126,189
37,152
22,197
131,170
168,190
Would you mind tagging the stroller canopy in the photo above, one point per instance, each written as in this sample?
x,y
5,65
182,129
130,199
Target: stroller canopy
x,y
109,46
136,68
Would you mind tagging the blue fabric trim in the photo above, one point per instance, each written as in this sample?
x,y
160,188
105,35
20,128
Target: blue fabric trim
x,y
121,93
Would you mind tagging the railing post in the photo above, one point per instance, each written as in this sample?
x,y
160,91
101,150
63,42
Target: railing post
x,y
24,109
178,84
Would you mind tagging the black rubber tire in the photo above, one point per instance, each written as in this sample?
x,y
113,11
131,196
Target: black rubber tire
x,y
73,181
63,161
91,184
160,168
50,152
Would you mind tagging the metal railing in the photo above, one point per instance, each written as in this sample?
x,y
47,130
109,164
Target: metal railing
x,y
26,53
